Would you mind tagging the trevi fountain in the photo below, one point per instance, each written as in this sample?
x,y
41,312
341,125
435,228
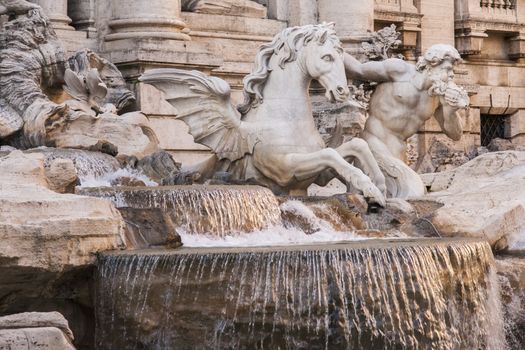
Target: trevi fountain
x,y
108,243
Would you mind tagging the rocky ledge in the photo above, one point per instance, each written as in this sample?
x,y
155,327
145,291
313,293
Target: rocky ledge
x,y
35,330
49,239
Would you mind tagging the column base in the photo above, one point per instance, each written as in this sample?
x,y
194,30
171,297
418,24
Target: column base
x,y
60,22
142,28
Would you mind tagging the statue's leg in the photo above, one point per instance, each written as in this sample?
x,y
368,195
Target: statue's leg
x,y
401,180
309,165
359,149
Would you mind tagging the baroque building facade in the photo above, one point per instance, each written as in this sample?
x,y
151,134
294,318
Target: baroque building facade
x,y
221,38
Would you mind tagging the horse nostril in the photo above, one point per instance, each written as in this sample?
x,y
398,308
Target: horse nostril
x,y
340,90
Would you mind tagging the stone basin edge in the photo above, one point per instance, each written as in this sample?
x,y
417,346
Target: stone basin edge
x,y
322,246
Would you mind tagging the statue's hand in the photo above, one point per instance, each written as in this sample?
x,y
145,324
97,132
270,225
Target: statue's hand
x,y
456,96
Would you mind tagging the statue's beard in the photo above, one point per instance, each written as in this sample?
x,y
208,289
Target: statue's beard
x,y
440,87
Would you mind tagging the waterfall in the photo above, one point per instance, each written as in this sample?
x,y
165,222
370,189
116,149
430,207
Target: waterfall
x,y
425,294
200,209
88,164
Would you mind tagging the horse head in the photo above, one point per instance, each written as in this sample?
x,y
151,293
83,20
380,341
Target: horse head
x,y
322,59
314,48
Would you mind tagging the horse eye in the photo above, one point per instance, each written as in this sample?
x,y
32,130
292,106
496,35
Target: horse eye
x,y
328,58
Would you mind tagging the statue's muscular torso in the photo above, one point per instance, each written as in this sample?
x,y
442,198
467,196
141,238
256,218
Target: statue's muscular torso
x,y
397,111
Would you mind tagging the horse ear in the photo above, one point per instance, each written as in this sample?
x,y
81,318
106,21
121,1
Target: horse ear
x,y
323,37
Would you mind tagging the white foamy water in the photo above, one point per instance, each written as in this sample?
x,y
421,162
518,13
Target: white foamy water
x,y
518,241
274,236
106,180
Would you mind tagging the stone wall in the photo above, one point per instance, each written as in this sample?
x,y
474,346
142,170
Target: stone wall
x,y
140,35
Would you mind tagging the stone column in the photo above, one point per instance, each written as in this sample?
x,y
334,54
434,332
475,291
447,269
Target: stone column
x,y
147,19
295,12
353,18
56,10
82,13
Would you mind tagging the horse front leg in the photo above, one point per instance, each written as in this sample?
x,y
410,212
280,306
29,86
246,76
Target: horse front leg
x,y
359,149
308,165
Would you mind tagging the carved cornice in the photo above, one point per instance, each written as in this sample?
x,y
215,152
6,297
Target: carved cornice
x,y
482,25
470,33
397,16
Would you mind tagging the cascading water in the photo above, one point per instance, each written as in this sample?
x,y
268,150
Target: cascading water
x,y
94,169
89,165
199,209
424,294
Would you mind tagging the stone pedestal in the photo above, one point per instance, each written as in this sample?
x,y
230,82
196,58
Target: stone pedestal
x,y
57,13
147,19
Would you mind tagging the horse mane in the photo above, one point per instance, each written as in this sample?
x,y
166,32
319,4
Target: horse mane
x,y
287,43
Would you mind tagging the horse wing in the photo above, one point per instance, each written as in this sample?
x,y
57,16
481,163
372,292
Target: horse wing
x,y
203,103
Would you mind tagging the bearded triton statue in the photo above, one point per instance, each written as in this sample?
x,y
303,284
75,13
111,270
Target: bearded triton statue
x,y
49,100
407,97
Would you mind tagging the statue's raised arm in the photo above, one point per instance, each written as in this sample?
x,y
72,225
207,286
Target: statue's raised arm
x,y
392,69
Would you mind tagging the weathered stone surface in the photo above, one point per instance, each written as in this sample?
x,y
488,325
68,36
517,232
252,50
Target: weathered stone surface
x,y
339,122
35,331
62,176
483,198
37,320
497,145
441,156
159,166
43,229
49,241
511,274
128,134
40,338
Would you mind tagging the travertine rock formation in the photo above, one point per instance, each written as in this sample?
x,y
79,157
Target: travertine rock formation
x,y
46,230
35,331
482,198
62,176
45,234
49,241
442,156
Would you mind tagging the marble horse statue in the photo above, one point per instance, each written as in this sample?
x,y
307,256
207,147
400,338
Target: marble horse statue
x,y
272,138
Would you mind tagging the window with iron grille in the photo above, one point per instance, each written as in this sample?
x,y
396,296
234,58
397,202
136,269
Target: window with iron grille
x,y
492,126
